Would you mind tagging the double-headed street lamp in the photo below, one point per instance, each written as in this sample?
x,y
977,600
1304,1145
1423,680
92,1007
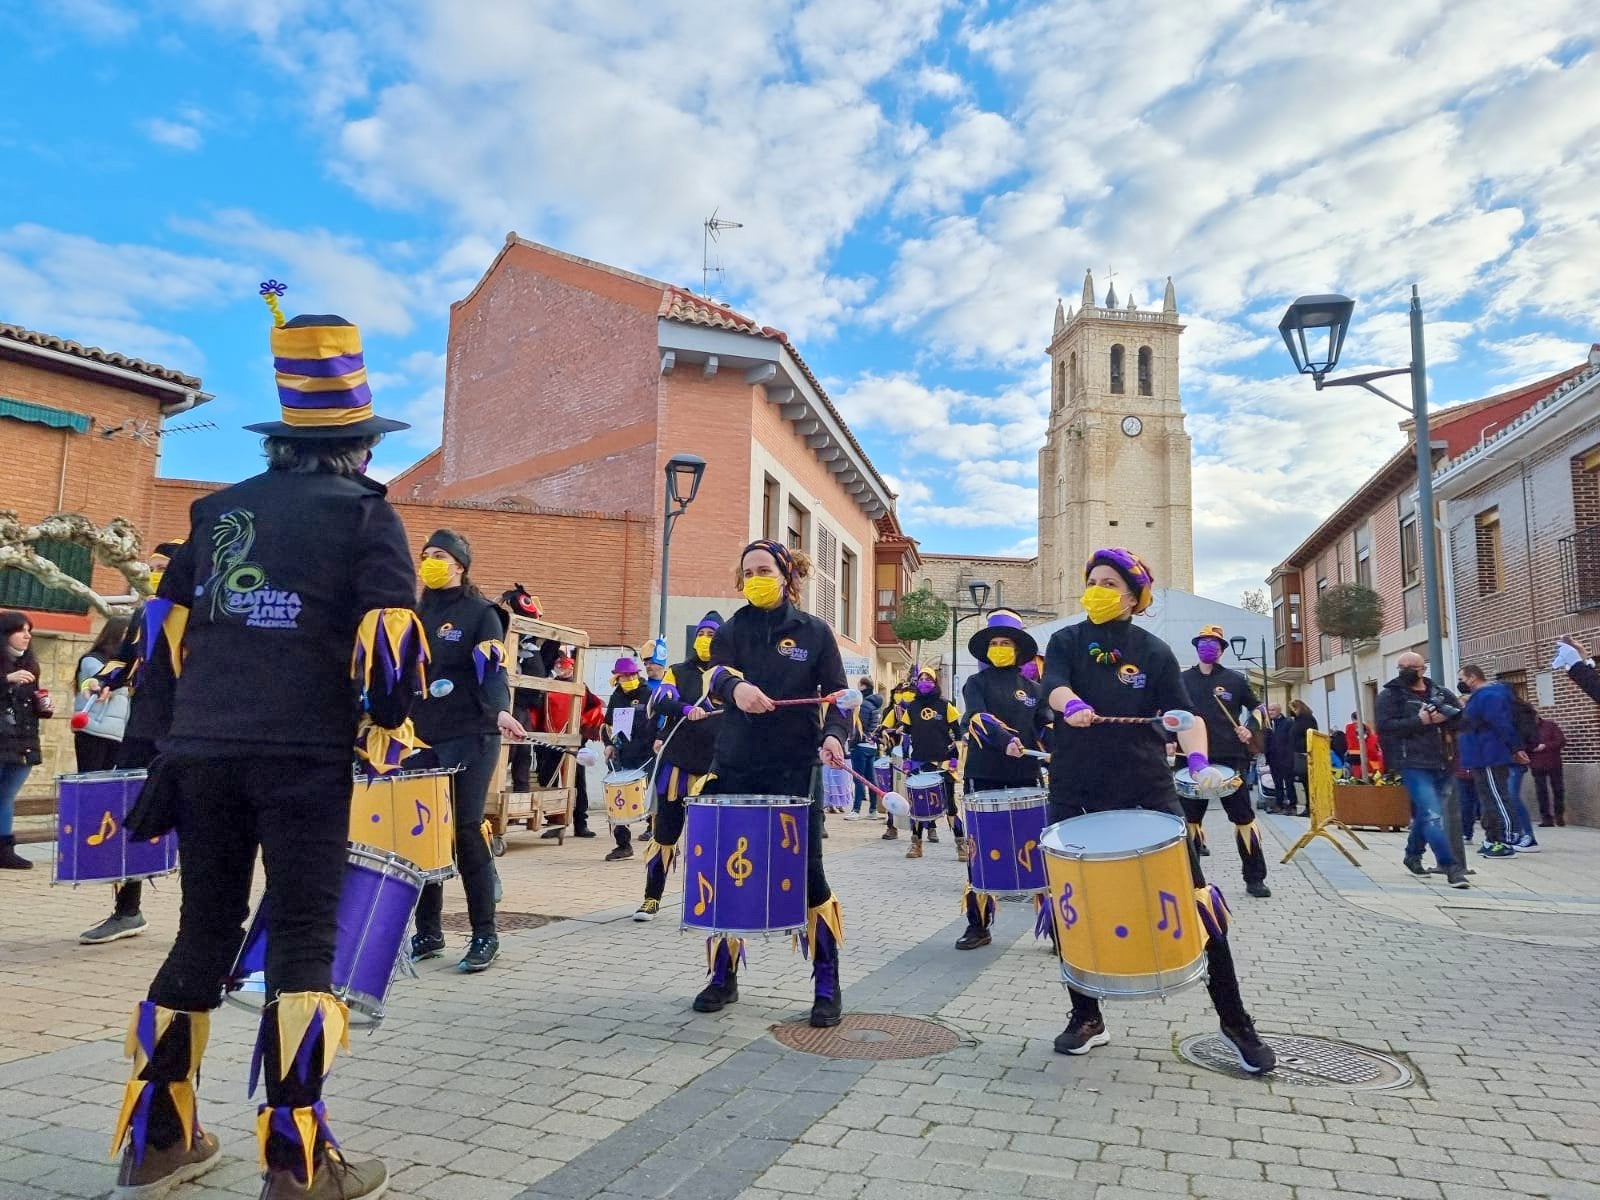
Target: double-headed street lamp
x,y
979,591
684,472
1330,314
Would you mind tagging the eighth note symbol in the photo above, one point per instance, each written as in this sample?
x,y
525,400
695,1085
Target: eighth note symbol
x,y
707,894
423,814
108,829
1168,899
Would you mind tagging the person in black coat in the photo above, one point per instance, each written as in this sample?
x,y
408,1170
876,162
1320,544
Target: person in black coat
x,y
1280,758
1304,722
630,736
1414,714
462,719
281,575
22,704
771,650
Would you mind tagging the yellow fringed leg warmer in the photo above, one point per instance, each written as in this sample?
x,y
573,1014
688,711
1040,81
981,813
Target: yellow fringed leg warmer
x,y
159,1104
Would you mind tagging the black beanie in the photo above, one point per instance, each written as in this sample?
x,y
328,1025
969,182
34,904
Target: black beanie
x,y
453,544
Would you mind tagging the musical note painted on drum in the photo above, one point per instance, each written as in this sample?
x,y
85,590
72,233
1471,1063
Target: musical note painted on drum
x,y
707,894
1025,855
1069,915
108,830
740,867
424,814
791,832
1176,921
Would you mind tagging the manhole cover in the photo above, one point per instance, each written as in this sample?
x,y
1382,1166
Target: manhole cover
x,y
1309,1062
459,922
869,1035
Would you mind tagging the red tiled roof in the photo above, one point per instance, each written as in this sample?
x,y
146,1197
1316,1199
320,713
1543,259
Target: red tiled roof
x,y
49,341
680,304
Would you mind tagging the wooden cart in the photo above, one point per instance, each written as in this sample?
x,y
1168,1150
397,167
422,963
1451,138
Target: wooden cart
x,y
533,809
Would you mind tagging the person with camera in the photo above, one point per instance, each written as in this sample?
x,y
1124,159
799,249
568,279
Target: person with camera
x,y
1413,715
1572,658
23,703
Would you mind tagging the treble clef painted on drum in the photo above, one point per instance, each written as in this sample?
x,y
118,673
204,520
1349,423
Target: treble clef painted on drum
x,y
739,867
1069,915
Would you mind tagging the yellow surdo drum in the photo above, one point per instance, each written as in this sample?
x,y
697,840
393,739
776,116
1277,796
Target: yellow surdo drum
x,y
627,796
1123,903
407,813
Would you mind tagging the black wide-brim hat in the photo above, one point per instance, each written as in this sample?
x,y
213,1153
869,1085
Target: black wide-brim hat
x,y
1003,623
322,382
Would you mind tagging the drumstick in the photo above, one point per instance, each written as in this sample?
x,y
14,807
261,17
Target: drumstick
x,y
894,802
1172,721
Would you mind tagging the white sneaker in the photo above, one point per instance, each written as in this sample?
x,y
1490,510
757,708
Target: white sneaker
x,y
1526,845
852,815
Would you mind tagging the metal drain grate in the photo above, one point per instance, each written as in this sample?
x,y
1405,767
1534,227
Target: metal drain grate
x,y
459,922
1308,1062
869,1036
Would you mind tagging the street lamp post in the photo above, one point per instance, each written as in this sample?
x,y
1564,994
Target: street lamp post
x,y
979,591
1310,314
684,472
1239,643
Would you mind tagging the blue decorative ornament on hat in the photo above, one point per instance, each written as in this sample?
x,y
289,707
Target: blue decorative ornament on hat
x,y
1002,622
321,375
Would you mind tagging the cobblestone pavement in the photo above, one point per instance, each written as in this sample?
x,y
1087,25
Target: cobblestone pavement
x,y
574,1068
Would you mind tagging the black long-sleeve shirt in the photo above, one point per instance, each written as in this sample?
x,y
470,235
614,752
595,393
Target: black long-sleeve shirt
x,y
1135,675
457,624
1008,695
1219,696
789,655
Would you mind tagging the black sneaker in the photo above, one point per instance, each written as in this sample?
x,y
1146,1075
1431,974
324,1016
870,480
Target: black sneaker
x,y
1259,890
480,953
426,945
1413,864
714,995
619,853
1082,1035
1255,1056
585,833
553,832
1204,851
114,928
1457,878
974,937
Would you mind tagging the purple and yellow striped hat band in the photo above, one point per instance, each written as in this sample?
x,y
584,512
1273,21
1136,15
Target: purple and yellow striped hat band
x,y
322,382
1003,622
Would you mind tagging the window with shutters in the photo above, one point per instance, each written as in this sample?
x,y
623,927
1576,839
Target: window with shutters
x,y
847,593
825,594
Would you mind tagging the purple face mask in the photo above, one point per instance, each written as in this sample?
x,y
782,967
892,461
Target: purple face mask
x,y
1030,670
1209,651
925,686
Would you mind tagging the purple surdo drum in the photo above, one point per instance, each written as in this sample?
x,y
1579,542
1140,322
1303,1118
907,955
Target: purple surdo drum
x,y
1004,827
883,773
745,864
91,844
380,893
925,795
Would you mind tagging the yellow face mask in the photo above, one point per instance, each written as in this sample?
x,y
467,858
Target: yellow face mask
x,y
434,573
1003,656
1103,605
155,581
764,591
702,647
629,683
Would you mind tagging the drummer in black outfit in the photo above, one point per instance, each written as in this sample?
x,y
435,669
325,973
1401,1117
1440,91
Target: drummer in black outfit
x,y
1107,665
630,742
1001,691
462,724
771,650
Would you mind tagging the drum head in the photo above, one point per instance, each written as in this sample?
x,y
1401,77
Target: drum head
x,y
883,763
925,779
1003,799
1121,833
623,778
748,799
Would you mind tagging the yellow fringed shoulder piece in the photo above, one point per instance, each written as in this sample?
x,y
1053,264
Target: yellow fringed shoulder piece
x,y
295,1013
697,783
172,631
383,750
394,636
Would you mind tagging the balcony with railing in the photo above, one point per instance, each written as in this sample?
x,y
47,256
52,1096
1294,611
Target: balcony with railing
x,y
1580,569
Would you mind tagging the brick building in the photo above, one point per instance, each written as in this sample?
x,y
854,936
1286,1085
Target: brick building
x,y
1372,539
1520,522
570,384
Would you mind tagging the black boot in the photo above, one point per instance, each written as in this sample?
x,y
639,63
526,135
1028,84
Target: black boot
x,y
723,989
10,860
827,1008
980,915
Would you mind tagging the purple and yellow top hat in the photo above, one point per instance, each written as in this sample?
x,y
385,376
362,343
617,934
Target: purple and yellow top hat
x,y
1003,623
322,377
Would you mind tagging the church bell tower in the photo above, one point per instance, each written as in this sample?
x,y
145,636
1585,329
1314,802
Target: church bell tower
x,y
1114,470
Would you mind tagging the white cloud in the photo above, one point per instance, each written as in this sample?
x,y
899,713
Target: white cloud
x,y
101,19
1532,356
175,135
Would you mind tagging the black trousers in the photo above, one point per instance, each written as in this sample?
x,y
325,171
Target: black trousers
x,y
1551,788
1222,978
666,825
797,781
477,756
298,814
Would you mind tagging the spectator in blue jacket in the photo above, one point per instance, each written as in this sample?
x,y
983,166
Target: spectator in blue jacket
x,y
1489,744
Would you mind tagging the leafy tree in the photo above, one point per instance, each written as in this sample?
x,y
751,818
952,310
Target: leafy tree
x,y
1353,614
923,617
1255,600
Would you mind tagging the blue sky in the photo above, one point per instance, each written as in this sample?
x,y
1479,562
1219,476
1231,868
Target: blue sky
x,y
918,182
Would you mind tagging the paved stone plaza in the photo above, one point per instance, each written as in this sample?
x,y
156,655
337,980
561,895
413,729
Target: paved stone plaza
x,y
575,1068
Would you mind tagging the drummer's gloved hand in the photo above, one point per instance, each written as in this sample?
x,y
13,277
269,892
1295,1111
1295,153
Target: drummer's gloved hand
x,y
1209,780
1078,712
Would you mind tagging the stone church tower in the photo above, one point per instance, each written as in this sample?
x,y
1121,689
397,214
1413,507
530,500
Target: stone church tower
x,y
1114,470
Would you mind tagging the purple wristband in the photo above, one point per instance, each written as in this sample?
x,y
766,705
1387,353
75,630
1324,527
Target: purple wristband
x,y
1074,706
1198,762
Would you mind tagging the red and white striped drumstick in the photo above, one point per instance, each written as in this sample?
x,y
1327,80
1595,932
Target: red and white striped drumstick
x,y
1175,721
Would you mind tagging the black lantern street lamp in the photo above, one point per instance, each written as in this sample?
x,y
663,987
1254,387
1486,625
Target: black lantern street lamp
x,y
1315,313
1240,643
684,472
979,591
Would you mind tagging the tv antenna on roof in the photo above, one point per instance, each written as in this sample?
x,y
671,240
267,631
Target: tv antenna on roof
x,y
713,226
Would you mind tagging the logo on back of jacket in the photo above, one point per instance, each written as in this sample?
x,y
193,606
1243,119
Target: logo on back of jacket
x,y
240,589
794,653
